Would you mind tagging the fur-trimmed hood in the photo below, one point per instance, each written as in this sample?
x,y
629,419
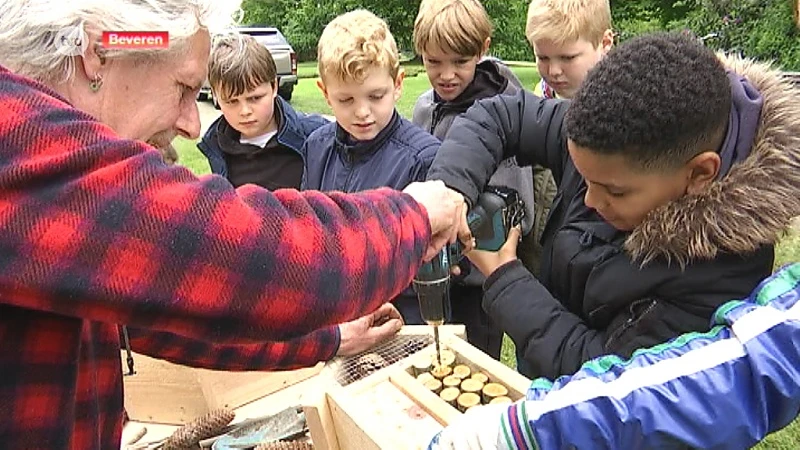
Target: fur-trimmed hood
x,y
749,207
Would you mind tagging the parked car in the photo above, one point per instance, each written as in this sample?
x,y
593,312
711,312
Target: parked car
x,y
281,51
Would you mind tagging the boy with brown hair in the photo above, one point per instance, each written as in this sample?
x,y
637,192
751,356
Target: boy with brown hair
x,y
257,139
453,38
369,145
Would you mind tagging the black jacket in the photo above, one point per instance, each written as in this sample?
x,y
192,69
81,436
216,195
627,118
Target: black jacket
x,y
608,292
293,129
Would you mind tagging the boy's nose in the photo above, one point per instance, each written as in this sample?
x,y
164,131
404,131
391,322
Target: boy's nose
x,y
592,198
554,69
362,110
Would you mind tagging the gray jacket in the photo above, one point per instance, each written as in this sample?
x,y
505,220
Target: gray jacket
x,y
492,77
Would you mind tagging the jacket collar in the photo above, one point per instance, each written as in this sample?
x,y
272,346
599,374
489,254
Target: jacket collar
x,y
353,150
289,134
488,82
753,204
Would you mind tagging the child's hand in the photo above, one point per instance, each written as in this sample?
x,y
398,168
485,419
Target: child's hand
x,y
488,262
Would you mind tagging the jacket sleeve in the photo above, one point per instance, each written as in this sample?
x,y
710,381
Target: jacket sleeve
x,y
311,122
418,114
724,389
497,128
424,161
551,339
99,228
305,351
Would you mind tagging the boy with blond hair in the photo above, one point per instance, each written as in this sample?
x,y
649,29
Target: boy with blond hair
x,y
369,145
568,38
453,38
257,139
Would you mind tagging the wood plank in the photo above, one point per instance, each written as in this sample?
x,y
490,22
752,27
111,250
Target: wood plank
x,y
350,434
234,389
162,392
440,410
320,423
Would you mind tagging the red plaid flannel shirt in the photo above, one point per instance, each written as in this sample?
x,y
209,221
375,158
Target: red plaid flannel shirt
x,y
96,231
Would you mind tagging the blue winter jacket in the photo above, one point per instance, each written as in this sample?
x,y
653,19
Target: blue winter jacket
x,y
293,130
724,389
399,155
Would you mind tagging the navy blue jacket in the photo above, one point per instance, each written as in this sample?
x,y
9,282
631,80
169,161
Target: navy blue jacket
x,y
293,130
399,155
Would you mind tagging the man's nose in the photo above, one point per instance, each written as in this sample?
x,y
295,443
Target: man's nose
x,y
188,122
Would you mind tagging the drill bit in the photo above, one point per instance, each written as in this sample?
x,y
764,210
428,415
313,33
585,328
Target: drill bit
x,y
438,347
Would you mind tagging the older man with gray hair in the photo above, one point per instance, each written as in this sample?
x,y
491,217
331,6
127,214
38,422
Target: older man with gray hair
x,y
96,230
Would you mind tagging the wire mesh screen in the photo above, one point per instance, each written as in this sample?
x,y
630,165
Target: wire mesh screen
x,y
354,368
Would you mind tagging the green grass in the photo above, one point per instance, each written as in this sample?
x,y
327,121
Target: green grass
x,y
308,98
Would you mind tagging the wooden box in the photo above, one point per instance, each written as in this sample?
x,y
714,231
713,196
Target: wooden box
x,y
167,393
391,409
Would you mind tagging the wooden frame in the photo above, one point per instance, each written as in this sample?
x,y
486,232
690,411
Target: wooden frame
x,y
167,393
390,408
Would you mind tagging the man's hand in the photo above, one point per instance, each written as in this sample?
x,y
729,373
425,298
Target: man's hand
x,y
447,213
368,331
477,429
488,262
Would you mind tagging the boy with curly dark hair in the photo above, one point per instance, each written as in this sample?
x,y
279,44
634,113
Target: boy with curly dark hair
x,y
677,172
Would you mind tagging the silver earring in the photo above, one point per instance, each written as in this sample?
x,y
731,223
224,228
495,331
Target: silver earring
x,y
96,83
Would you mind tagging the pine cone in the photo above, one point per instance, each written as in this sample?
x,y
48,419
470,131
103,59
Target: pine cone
x,y
190,435
369,363
285,445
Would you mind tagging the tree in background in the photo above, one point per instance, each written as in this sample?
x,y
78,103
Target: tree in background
x,y
762,29
302,22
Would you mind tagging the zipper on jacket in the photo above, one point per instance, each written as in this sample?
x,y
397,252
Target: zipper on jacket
x,y
631,320
350,160
436,117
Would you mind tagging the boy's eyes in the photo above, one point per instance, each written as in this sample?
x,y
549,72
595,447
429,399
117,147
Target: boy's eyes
x,y
345,101
564,58
376,96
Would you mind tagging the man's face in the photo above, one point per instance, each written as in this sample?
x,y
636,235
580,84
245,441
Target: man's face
x,y
154,102
363,109
251,113
622,194
564,66
448,72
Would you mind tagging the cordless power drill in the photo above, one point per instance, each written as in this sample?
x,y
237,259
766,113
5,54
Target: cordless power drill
x,y
497,210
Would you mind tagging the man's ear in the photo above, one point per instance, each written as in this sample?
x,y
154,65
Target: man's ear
x,y
486,45
702,170
398,84
321,87
93,58
608,41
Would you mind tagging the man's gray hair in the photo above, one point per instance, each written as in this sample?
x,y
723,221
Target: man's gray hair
x,y
41,38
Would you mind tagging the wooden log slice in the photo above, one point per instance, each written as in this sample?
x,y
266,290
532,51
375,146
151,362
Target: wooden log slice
x,y
467,400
